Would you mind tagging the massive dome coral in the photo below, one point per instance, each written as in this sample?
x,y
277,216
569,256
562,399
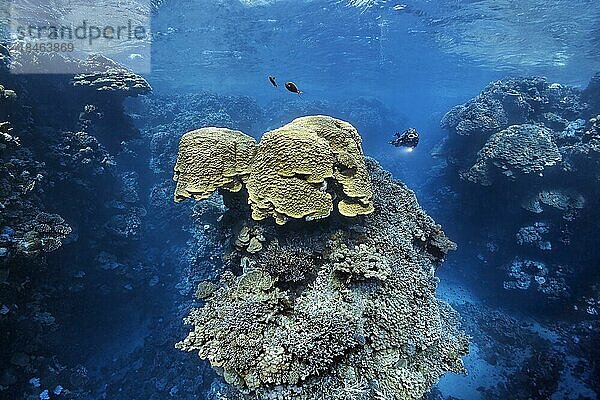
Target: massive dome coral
x,y
519,149
335,308
212,158
298,171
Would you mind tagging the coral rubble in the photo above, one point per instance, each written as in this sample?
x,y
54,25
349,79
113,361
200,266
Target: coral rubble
x,y
337,307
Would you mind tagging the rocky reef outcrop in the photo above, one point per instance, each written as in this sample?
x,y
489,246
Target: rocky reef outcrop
x,y
339,307
62,194
527,149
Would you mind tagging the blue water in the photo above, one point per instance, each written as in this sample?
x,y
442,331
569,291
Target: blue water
x,y
383,66
418,62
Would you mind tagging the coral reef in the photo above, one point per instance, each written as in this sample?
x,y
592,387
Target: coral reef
x,y
79,155
529,274
44,233
60,183
336,307
21,185
102,74
533,235
96,72
212,158
528,150
295,172
591,94
519,149
512,101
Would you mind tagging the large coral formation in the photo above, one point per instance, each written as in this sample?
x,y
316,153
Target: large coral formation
x,y
105,75
349,169
295,172
212,158
519,149
524,274
335,309
509,102
531,145
288,176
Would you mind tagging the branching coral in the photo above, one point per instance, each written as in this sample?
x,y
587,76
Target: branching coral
x,y
334,309
360,262
288,261
43,234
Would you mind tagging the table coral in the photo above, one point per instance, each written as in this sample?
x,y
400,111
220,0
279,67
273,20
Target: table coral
x,y
288,176
103,74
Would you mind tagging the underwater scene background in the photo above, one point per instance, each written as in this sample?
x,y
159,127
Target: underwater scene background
x,y
319,261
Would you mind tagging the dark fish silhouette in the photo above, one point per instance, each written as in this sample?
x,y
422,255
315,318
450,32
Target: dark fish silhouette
x,y
291,86
273,81
409,139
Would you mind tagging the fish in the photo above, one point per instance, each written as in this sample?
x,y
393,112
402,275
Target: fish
x,y
273,81
291,86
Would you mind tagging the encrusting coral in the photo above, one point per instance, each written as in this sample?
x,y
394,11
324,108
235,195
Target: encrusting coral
x,y
295,172
337,308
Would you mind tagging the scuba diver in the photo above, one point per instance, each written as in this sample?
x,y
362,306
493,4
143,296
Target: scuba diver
x,y
409,139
